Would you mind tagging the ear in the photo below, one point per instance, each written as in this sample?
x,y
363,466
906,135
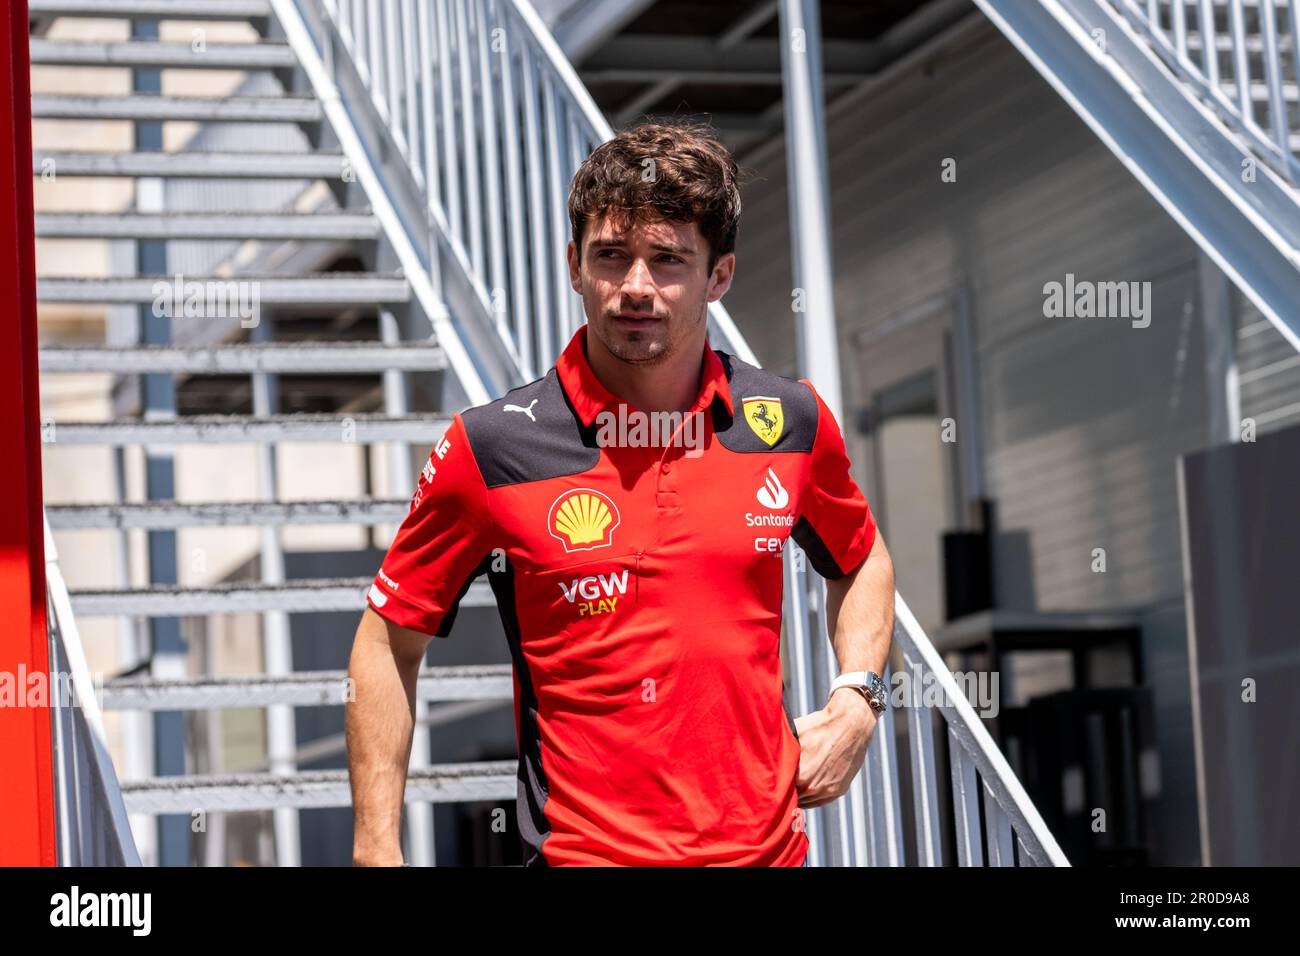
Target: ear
x,y
575,274
720,278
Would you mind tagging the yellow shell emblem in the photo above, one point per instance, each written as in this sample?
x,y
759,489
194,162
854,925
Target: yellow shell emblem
x,y
583,519
764,417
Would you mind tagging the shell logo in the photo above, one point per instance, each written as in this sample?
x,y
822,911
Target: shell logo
x,y
583,519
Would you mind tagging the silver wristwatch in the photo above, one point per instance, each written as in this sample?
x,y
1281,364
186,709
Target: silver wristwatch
x,y
869,684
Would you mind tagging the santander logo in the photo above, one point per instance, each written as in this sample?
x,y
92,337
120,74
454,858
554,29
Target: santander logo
x,y
772,495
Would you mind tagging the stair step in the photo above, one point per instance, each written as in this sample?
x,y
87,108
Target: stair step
x,y
208,225
158,515
147,108
303,689
326,288
324,594
153,54
277,357
153,9
423,429
192,165
445,783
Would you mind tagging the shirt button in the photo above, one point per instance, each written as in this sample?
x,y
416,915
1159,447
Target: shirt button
x,y
664,469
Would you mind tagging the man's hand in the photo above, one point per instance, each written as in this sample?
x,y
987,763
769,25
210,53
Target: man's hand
x,y
833,744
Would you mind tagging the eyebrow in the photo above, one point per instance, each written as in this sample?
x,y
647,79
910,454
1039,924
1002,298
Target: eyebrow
x,y
657,246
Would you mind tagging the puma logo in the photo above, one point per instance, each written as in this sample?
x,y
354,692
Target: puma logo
x,y
519,408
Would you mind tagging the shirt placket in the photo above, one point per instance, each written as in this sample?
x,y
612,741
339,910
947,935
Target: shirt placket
x,y
669,466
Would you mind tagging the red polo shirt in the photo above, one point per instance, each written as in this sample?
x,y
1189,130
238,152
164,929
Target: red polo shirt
x,y
638,576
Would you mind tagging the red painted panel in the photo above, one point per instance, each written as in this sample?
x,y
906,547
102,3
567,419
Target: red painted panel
x,y
26,761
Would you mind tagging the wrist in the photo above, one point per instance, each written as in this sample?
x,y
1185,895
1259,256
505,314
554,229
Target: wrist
x,y
870,685
376,857
850,702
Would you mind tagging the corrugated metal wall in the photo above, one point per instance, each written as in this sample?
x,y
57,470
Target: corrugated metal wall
x,y
1268,371
1082,419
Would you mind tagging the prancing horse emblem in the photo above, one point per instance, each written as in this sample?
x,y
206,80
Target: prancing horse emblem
x,y
764,416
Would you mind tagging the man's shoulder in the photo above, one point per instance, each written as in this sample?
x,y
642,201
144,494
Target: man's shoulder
x,y
767,403
528,434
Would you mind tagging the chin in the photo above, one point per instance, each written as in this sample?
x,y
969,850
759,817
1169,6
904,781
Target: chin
x,y
640,347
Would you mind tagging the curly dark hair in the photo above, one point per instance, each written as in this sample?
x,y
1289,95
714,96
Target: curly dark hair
x,y
674,171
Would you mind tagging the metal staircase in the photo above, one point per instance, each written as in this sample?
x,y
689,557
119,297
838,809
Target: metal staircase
x,y
447,131
1200,99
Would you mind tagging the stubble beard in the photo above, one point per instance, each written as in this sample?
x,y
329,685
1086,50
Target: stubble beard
x,y
642,349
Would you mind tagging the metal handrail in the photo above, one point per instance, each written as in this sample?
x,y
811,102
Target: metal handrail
x,y
1233,91
492,121
93,826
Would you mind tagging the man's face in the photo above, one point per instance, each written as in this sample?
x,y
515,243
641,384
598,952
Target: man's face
x,y
646,286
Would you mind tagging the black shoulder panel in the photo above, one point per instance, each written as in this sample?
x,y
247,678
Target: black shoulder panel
x,y
797,405
530,434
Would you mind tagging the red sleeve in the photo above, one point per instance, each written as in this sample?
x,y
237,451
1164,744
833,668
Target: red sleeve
x,y
442,543
835,528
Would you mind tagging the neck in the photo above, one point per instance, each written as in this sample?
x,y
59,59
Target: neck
x,y
667,386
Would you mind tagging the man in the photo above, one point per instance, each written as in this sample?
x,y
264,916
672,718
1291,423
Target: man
x,y
638,574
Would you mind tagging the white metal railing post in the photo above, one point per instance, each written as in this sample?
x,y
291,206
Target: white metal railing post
x,y
1209,44
805,142
516,228
1277,107
414,143
447,132
555,192
496,246
538,239
430,178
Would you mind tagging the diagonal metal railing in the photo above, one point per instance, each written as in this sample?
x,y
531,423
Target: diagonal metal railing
x,y
1241,58
93,826
491,122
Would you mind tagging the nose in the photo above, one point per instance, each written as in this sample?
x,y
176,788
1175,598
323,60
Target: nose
x,y
637,282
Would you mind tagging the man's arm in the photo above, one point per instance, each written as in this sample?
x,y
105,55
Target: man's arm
x,y
379,721
833,741
860,612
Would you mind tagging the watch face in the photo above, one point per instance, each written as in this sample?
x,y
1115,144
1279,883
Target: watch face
x,y
878,690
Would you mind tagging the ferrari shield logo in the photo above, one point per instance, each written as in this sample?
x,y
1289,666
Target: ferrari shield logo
x,y
764,417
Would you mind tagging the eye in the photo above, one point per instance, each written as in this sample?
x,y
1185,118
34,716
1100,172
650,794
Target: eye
x,y
671,259
606,253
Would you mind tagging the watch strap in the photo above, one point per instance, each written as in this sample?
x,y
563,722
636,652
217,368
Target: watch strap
x,y
869,684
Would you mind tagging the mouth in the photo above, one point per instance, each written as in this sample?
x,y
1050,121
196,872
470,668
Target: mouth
x,y
635,321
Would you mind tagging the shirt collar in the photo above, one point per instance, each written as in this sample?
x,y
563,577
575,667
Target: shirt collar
x,y
589,396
